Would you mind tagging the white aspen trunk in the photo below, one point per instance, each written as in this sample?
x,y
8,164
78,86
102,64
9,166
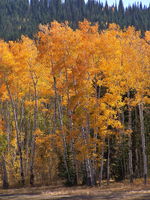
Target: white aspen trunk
x,y
35,126
64,144
94,159
130,159
27,148
8,129
55,104
90,180
123,145
102,165
141,113
17,134
137,163
33,141
72,149
130,142
6,113
108,162
74,162
87,135
58,104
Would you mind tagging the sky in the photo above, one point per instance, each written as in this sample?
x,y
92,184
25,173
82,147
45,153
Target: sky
x,y
127,2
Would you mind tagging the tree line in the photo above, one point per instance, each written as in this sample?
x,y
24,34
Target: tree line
x,y
19,17
74,105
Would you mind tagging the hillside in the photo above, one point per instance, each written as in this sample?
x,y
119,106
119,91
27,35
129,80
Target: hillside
x,y
19,17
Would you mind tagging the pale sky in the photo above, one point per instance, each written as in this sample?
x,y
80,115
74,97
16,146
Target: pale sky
x,y
127,2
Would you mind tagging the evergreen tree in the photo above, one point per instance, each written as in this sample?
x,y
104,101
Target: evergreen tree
x,y
19,17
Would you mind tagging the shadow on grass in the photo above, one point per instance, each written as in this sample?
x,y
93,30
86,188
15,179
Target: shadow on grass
x,y
143,197
77,197
17,195
85,197
113,196
62,194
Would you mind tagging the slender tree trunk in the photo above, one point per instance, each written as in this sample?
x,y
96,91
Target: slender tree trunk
x,y
137,163
94,158
130,160
17,134
70,125
74,162
58,106
55,105
8,129
86,135
4,173
32,161
87,161
130,142
123,146
108,162
102,165
33,136
88,171
64,144
141,109
35,126
27,147
58,103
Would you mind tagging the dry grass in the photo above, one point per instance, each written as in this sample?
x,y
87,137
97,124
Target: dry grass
x,y
116,191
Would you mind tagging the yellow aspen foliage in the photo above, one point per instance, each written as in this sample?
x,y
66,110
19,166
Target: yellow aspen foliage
x,y
63,96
